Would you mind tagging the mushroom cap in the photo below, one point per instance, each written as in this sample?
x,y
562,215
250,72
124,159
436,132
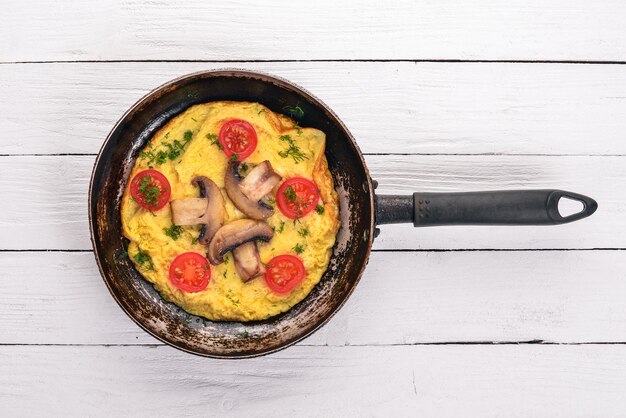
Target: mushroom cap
x,y
262,180
234,234
213,217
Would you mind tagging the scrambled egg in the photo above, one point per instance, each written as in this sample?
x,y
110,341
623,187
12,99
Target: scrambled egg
x,y
227,297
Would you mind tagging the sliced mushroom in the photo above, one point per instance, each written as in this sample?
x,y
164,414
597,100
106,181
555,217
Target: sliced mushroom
x,y
213,218
188,211
248,262
208,209
247,193
234,234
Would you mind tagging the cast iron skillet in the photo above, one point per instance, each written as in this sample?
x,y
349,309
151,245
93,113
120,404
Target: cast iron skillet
x,y
360,211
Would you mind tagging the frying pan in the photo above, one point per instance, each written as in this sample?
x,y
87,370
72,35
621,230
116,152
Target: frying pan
x,y
361,210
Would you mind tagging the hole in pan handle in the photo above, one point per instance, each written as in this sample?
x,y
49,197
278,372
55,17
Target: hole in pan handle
x,y
509,207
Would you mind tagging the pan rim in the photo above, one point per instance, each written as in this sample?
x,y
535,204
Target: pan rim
x,y
235,73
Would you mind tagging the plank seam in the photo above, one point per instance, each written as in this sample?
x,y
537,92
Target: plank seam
x,y
359,60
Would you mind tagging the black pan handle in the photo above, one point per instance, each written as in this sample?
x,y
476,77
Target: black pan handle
x,y
524,207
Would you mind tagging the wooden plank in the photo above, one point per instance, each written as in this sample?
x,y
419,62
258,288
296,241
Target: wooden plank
x,y
231,30
531,380
408,108
403,298
45,200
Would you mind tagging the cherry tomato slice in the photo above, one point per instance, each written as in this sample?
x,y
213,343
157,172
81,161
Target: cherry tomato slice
x,y
283,273
297,197
190,272
237,137
150,189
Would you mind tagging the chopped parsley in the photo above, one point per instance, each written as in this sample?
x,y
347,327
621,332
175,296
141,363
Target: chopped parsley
x,y
319,209
144,260
281,228
194,240
298,248
150,193
174,231
294,111
226,258
260,111
271,200
292,150
303,232
234,157
244,167
214,141
243,335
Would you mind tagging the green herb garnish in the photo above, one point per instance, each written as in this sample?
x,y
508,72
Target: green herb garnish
x,y
243,335
260,111
173,151
176,147
271,200
244,167
303,232
234,157
231,299
150,193
174,231
293,150
294,111
290,194
144,260
319,209
214,141
281,228
194,240
161,157
298,248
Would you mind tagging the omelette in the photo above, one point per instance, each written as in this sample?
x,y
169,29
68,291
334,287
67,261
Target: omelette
x,y
231,212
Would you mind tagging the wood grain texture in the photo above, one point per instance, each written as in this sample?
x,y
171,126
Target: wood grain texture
x,y
45,200
414,298
475,108
235,30
492,380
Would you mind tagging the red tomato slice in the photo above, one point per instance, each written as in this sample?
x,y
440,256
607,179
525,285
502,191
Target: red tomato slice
x,y
283,273
297,197
237,137
190,272
150,189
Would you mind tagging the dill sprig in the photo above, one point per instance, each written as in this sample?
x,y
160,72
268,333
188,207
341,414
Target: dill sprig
x,y
174,231
144,260
293,150
150,193
294,111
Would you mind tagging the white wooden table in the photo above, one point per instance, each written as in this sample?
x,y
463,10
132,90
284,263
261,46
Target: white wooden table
x,y
442,96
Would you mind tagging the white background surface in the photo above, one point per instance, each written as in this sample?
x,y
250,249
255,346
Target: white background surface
x,y
442,96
